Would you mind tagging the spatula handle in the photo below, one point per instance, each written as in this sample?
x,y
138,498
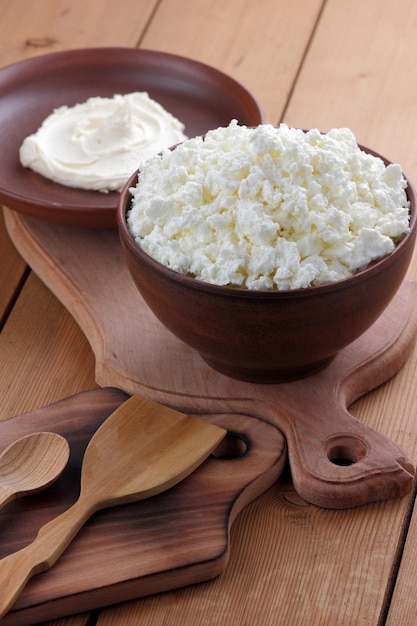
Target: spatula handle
x,y
53,538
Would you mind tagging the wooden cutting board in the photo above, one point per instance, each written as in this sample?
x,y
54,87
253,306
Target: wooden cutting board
x,y
174,539
336,461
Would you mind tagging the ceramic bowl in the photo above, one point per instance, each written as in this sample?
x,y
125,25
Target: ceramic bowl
x,y
266,336
201,96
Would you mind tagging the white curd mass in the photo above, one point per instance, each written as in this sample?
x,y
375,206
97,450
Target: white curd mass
x,y
99,143
268,208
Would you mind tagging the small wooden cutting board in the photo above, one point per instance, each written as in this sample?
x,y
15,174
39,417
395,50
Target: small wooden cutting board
x,y
336,461
170,540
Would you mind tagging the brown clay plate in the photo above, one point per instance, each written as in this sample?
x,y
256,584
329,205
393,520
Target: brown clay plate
x,y
200,96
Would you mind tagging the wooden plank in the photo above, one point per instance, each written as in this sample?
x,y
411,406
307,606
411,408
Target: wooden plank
x,y
262,44
47,356
33,28
357,74
403,608
81,619
362,78
291,563
13,270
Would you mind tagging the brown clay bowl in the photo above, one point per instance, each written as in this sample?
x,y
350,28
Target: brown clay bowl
x,y
266,336
201,96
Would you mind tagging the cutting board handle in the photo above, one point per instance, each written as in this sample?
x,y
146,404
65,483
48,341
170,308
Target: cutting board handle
x,y
336,460
348,466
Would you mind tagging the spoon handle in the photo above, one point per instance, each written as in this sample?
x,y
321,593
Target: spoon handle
x,y
52,540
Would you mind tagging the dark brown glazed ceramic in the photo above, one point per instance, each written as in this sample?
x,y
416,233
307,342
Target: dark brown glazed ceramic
x,y
266,336
199,95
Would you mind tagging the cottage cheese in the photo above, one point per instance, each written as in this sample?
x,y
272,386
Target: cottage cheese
x,y
99,143
268,208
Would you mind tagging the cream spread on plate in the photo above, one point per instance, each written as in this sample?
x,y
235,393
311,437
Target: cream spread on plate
x,y
99,143
269,208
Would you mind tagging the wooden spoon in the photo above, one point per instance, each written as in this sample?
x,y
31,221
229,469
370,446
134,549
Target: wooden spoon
x,y
31,464
142,449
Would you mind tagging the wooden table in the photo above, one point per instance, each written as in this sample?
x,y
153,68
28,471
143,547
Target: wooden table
x,y
320,63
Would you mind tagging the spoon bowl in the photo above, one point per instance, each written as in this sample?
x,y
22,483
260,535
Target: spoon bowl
x,y
31,464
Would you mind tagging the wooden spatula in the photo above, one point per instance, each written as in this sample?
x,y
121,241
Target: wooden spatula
x,y
142,449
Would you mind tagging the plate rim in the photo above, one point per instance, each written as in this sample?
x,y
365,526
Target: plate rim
x,y
104,214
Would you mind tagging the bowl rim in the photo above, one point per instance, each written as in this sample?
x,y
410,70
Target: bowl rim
x,y
226,290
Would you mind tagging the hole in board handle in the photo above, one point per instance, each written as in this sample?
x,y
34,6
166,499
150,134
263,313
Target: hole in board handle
x,y
345,450
233,446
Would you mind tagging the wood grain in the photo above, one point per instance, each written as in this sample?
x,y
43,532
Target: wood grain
x,y
129,551
41,325
261,44
13,272
360,77
31,464
403,609
50,26
292,539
